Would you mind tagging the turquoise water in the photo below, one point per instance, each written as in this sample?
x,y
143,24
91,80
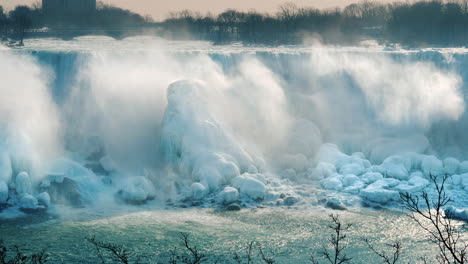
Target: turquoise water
x,y
291,236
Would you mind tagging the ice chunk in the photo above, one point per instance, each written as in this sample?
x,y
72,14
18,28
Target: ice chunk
x,y
370,177
44,199
250,186
260,164
350,179
456,180
376,193
28,202
463,168
352,168
430,165
3,192
108,163
252,169
23,184
210,177
455,213
396,167
198,191
137,190
415,184
332,183
229,195
451,166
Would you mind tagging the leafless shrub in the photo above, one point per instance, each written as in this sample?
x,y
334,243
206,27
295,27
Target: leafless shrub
x,y
194,256
387,259
116,252
336,240
21,258
429,215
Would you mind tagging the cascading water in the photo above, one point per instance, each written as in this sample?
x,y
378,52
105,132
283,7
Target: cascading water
x,y
249,124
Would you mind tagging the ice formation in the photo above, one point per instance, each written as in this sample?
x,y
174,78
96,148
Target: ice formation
x,y
186,128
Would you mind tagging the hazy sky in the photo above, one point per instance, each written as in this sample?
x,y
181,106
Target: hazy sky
x,y
158,9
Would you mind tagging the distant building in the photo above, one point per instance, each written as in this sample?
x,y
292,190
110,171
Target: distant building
x,y
68,7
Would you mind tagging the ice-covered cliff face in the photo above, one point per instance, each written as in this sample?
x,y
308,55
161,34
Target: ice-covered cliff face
x,y
240,123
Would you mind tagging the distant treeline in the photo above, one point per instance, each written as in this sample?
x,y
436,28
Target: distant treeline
x,y
15,23
418,23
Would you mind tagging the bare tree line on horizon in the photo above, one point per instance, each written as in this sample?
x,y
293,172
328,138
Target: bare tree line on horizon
x,y
418,23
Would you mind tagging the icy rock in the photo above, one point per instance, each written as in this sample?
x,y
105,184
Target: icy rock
x,y
23,184
451,166
464,181
260,164
455,213
386,183
335,204
463,168
43,199
198,190
65,192
323,170
107,163
252,169
28,202
376,193
349,180
332,183
233,207
229,195
371,177
415,184
456,180
137,190
209,177
376,168
6,171
3,192
417,180
354,189
396,168
250,186
430,165
290,201
352,168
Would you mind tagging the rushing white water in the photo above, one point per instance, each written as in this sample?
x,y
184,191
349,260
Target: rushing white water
x,y
182,121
